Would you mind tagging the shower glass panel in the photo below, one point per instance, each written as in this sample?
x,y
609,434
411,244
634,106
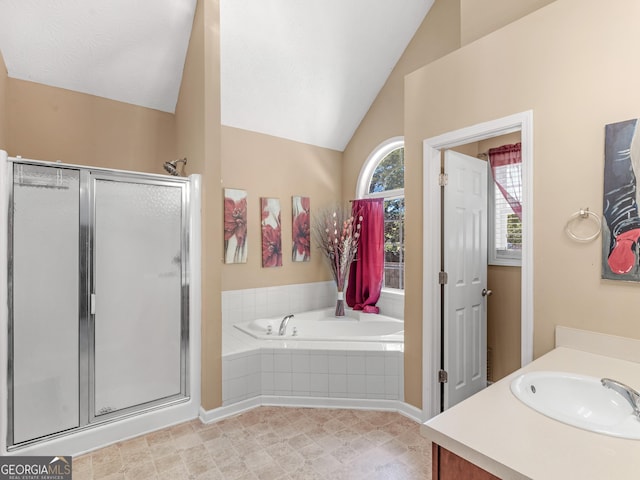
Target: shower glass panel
x,y
137,280
44,385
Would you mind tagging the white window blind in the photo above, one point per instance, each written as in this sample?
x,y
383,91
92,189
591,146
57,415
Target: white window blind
x,y
507,227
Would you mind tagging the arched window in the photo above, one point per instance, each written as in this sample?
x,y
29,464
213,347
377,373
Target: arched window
x,y
382,176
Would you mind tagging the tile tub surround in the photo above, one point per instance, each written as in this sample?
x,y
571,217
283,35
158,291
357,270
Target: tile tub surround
x,y
313,369
271,443
312,373
253,303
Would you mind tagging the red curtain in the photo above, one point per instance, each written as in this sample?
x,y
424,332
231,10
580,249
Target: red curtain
x,y
506,164
366,273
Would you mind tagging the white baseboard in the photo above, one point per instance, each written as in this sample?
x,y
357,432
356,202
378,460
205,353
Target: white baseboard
x,y
409,411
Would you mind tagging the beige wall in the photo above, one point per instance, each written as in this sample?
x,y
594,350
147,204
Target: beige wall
x,y
438,35
4,80
479,18
503,320
564,63
267,166
449,24
49,123
198,133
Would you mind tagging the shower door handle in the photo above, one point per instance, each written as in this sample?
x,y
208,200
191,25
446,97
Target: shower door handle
x,y
92,304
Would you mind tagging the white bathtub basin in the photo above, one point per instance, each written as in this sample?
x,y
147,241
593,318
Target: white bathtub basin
x,y
578,400
323,325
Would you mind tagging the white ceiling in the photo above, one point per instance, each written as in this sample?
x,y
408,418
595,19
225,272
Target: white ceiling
x,y
296,69
127,50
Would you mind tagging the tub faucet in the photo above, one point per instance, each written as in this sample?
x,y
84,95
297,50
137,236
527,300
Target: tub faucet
x,y
283,325
630,395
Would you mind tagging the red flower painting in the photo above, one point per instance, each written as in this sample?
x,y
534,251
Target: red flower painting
x,y
301,229
235,226
271,247
271,235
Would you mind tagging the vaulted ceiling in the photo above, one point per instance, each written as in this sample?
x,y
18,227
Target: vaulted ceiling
x,y
297,69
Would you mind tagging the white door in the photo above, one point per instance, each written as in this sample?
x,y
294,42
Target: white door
x,y
465,261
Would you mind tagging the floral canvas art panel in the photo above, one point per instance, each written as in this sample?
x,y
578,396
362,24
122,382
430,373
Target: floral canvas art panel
x,y
300,228
235,226
271,233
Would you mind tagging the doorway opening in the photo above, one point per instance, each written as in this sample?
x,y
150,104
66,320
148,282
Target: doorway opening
x,y
432,244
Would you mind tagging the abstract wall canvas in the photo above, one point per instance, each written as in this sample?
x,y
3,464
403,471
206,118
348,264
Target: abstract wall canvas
x,y
300,228
271,233
235,226
621,228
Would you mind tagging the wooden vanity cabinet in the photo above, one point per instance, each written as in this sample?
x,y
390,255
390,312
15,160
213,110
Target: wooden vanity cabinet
x,y
449,466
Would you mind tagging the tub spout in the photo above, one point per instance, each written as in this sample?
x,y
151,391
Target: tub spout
x,y
283,325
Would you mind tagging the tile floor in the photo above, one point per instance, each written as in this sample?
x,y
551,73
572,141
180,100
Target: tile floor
x,y
271,443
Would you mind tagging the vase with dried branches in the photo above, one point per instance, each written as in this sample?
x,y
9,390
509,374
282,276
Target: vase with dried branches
x,y
337,233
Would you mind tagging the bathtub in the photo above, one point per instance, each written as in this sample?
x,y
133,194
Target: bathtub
x,y
323,325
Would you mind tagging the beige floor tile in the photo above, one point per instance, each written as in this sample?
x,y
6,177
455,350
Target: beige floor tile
x,y
233,470
159,437
197,460
187,441
163,449
135,456
211,474
133,444
176,473
290,462
257,459
270,443
140,471
181,429
115,476
106,468
269,472
82,464
108,454
169,462
209,433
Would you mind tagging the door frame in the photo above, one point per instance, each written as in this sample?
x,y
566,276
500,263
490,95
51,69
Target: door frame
x,y
431,238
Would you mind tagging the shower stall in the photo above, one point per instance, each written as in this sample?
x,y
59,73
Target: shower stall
x,y
98,326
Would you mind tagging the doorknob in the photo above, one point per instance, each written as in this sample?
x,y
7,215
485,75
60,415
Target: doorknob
x,y
486,293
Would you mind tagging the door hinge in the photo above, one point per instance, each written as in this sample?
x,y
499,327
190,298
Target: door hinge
x,y
443,179
443,376
443,278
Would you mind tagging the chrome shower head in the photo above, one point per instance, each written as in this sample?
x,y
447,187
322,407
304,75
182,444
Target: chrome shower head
x,y
171,168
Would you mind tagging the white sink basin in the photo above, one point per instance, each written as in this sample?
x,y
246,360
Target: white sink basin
x,y
578,400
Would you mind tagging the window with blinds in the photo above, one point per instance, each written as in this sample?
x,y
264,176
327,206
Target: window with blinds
x,y
505,228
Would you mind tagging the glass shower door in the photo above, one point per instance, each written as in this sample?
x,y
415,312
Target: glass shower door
x,y
44,323
137,303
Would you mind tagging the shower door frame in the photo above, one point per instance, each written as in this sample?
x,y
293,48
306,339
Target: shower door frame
x,y
96,175
86,351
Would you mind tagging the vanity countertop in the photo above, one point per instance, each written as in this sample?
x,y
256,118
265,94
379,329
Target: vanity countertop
x,y
497,432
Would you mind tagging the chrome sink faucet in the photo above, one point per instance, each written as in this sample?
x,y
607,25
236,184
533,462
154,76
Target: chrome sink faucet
x,y
631,395
283,325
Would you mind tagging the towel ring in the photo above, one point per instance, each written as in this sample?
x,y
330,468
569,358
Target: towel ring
x,y
578,217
